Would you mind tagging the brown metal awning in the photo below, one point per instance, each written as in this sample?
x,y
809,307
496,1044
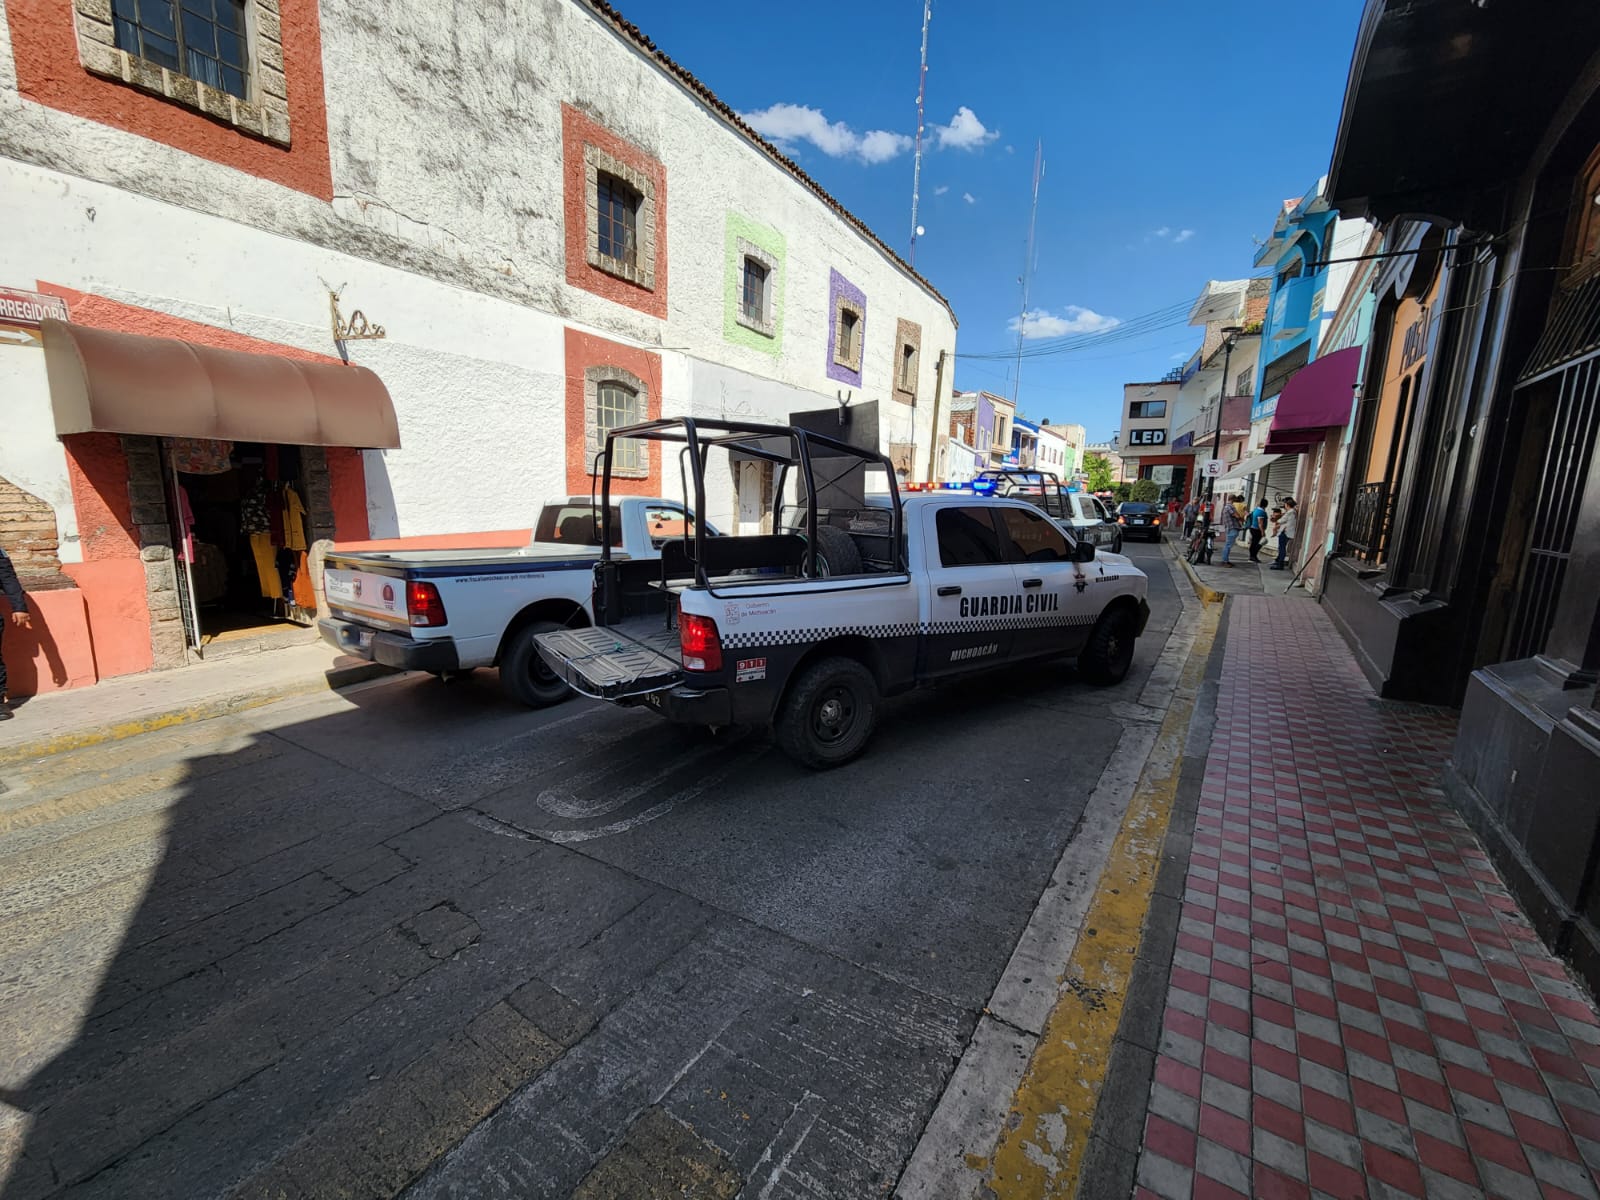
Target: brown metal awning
x,y
126,383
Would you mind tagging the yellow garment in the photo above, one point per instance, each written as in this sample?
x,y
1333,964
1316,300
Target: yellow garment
x,y
294,521
266,565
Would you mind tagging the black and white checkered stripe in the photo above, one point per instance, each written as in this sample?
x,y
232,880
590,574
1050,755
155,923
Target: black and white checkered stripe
x,y
752,639
746,639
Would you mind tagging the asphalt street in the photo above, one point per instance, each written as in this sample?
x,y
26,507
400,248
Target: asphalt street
x,y
413,939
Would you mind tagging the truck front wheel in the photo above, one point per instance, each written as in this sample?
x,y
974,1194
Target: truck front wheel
x,y
829,714
524,675
1108,653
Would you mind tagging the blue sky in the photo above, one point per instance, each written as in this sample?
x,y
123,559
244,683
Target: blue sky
x,y
1172,134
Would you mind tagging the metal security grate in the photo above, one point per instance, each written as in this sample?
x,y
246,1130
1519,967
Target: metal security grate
x,y
1367,536
1573,431
1572,331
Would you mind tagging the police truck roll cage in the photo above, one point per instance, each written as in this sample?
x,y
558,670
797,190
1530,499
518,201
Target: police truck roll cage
x,y
788,448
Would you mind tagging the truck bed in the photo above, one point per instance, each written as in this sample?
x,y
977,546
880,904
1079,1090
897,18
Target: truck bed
x,y
609,662
539,557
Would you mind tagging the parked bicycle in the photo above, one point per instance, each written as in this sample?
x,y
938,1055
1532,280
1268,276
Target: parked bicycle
x,y
1202,542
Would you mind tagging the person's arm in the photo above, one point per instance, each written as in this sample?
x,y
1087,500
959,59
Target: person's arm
x,y
12,587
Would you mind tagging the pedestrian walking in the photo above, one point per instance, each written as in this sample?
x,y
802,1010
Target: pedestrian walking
x,y
1191,511
1288,531
1232,523
12,588
1256,528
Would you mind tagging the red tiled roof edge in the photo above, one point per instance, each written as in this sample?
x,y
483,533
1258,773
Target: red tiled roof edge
x,y
636,35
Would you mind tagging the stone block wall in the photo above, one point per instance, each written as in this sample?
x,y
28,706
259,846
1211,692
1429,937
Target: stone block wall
x,y
148,501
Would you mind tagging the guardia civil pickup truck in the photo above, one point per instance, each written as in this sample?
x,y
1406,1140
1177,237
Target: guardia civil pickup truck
x,y
447,611
853,597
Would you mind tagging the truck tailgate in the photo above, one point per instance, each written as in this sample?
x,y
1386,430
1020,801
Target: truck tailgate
x,y
614,662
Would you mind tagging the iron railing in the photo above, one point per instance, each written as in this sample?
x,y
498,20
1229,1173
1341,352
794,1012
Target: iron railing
x,y
1367,532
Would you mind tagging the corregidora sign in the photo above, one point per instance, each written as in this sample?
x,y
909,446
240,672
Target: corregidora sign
x,y
27,309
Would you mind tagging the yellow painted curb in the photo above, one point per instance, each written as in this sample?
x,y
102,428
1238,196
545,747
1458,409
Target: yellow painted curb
x,y
1208,595
1041,1152
77,739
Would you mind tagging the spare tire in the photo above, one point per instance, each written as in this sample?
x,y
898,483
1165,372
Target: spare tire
x,y
836,552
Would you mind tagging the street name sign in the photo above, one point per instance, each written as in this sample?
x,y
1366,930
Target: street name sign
x,y
21,312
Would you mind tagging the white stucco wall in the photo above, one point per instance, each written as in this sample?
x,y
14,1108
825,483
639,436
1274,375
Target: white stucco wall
x,y
447,228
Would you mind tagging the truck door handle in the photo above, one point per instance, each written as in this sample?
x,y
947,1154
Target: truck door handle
x,y
1033,583
949,591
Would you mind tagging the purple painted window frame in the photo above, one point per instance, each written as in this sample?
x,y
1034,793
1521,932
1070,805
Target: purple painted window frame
x,y
841,288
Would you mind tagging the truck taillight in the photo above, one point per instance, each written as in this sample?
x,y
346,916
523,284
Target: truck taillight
x,y
424,605
702,648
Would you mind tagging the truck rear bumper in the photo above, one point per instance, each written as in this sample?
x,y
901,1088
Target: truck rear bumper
x,y
389,649
693,706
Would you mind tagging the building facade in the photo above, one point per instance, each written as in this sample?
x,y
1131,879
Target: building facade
x,y
583,237
1468,564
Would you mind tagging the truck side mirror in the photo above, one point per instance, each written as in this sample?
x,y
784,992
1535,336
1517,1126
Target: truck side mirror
x,y
1083,552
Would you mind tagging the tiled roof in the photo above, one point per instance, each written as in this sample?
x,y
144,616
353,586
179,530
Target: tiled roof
x,y
637,36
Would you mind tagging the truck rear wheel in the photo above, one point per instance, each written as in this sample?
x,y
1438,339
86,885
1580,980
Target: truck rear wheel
x,y
829,714
1108,653
836,552
525,676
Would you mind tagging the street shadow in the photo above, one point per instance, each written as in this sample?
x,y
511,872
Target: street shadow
x,y
23,649
304,956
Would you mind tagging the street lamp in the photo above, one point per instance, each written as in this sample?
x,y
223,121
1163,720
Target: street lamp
x,y
1231,334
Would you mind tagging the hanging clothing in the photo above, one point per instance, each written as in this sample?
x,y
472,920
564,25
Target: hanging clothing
x,y
288,564
305,595
266,565
201,456
275,518
294,520
253,517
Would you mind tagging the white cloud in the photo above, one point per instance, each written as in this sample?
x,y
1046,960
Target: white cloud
x,y
1183,236
965,132
1162,232
786,124
1040,323
1010,149
941,189
1166,231
969,197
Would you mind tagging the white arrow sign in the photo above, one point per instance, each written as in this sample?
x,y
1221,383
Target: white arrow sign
x,y
20,336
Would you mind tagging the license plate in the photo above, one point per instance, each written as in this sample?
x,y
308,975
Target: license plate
x,y
364,639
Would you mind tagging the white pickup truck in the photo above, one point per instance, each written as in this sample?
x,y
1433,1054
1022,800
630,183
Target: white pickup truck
x,y
756,631
446,611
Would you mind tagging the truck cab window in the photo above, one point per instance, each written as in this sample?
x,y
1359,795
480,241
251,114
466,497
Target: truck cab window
x,y
967,537
1034,537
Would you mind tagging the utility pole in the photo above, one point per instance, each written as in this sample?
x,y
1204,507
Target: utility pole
x,y
938,394
916,167
1027,268
1230,333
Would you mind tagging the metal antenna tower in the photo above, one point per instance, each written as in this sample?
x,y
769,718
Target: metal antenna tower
x,y
922,91
1027,265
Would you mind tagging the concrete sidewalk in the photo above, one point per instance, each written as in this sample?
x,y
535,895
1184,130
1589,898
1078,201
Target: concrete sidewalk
x,y
1352,1005
1213,580
133,704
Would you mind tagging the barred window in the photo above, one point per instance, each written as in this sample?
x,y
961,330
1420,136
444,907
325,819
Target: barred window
x,y
618,405
618,219
753,298
202,39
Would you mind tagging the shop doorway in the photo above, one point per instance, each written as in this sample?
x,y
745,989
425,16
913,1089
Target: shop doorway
x,y
241,540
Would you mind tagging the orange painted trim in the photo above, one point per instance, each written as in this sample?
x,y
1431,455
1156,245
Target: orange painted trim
x,y
86,308
97,471
577,130
583,351
57,652
493,539
44,44
347,483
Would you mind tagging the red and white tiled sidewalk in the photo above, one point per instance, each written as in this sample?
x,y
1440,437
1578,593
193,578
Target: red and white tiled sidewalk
x,y
1357,1007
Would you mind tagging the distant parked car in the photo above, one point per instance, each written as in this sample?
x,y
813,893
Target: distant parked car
x,y
1139,520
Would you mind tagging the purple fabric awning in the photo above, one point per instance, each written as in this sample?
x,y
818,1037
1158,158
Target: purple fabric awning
x,y
1315,400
